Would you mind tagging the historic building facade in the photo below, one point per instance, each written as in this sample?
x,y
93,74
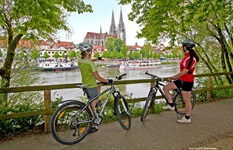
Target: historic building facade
x,y
115,32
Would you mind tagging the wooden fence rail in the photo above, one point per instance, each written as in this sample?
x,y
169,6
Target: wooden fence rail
x,y
47,112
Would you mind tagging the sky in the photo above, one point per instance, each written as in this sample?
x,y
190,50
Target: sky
x,y
80,24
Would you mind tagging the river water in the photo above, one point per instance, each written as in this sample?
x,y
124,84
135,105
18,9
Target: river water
x,y
74,76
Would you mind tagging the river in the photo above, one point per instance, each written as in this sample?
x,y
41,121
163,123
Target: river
x,y
74,76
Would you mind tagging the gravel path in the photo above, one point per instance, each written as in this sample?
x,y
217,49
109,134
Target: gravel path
x,y
211,128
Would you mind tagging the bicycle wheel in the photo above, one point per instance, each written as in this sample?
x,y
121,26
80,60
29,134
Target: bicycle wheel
x,y
147,107
180,104
70,123
122,111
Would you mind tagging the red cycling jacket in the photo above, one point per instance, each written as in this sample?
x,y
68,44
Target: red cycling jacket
x,y
185,64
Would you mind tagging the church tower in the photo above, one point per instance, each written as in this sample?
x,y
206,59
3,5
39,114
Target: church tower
x,y
121,33
112,30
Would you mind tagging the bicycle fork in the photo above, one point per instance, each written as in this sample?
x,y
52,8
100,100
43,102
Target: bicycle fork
x,y
118,96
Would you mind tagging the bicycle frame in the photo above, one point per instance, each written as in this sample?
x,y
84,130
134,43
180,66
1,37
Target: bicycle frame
x,y
157,87
79,117
111,90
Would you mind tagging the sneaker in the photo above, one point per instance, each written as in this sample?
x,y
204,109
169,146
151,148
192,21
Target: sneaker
x,y
93,129
184,120
168,107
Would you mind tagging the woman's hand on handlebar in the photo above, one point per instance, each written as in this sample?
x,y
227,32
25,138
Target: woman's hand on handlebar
x,y
169,79
110,81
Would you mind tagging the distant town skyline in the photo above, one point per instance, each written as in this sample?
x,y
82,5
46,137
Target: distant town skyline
x,y
80,24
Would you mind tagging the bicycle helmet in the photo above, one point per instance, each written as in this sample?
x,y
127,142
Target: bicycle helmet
x,y
188,43
84,46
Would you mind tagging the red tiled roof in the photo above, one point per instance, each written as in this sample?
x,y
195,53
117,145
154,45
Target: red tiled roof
x,y
42,42
134,47
25,44
95,47
66,45
21,44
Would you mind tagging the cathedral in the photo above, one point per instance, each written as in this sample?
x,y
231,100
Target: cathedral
x,y
98,39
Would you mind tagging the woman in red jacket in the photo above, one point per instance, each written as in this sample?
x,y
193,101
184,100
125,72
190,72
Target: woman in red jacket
x,y
184,79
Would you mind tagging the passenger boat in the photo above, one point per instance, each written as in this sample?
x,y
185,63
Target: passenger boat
x,y
58,66
142,64
113,65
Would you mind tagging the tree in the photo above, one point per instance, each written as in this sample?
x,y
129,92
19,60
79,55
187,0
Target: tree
x,y
19,20
46,55
118,44
109,44
56,55
72,54
114,44
35,55
1,53
106,54
96,55
177,52
203,21
124,51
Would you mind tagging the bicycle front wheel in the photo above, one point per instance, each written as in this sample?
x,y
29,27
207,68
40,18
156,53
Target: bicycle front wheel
x,y
70,123
147,107
122,111
180,107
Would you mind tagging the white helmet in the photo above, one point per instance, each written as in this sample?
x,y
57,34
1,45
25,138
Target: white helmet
x,y
84,46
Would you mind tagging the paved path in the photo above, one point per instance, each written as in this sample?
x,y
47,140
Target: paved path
x,y
210,123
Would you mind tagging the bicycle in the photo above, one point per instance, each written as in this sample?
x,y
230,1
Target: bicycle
x,y
177,98
72,120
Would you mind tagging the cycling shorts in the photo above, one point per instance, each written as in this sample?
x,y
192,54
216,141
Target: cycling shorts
x,y
185,86
92,92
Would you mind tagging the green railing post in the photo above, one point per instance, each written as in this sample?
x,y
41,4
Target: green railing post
x,y
47,105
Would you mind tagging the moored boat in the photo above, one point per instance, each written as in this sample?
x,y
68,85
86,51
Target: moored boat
x,y
144,64
57,66
112,65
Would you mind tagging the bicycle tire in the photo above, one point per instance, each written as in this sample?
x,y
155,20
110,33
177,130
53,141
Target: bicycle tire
x,y
70,123
147,107
122,111
180,104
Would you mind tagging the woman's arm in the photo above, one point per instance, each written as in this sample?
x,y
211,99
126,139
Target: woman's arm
x,y
183,72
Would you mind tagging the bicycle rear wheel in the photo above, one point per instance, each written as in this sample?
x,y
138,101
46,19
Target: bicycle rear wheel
x,y
70,123
147,107
122,111
180,104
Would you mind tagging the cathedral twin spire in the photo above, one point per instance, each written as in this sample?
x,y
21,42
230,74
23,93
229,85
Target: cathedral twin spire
x,y
120,31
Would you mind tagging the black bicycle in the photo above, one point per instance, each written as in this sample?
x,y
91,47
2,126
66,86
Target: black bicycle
x,y
71,122
177,98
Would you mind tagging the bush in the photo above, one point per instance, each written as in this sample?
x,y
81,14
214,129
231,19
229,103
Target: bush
x,y
11,127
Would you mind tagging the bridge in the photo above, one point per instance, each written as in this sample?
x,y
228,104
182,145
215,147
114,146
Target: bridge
x,y
211,128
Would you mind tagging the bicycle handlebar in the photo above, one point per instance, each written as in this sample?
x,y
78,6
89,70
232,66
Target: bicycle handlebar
x,y
117,78
120,76
153,76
